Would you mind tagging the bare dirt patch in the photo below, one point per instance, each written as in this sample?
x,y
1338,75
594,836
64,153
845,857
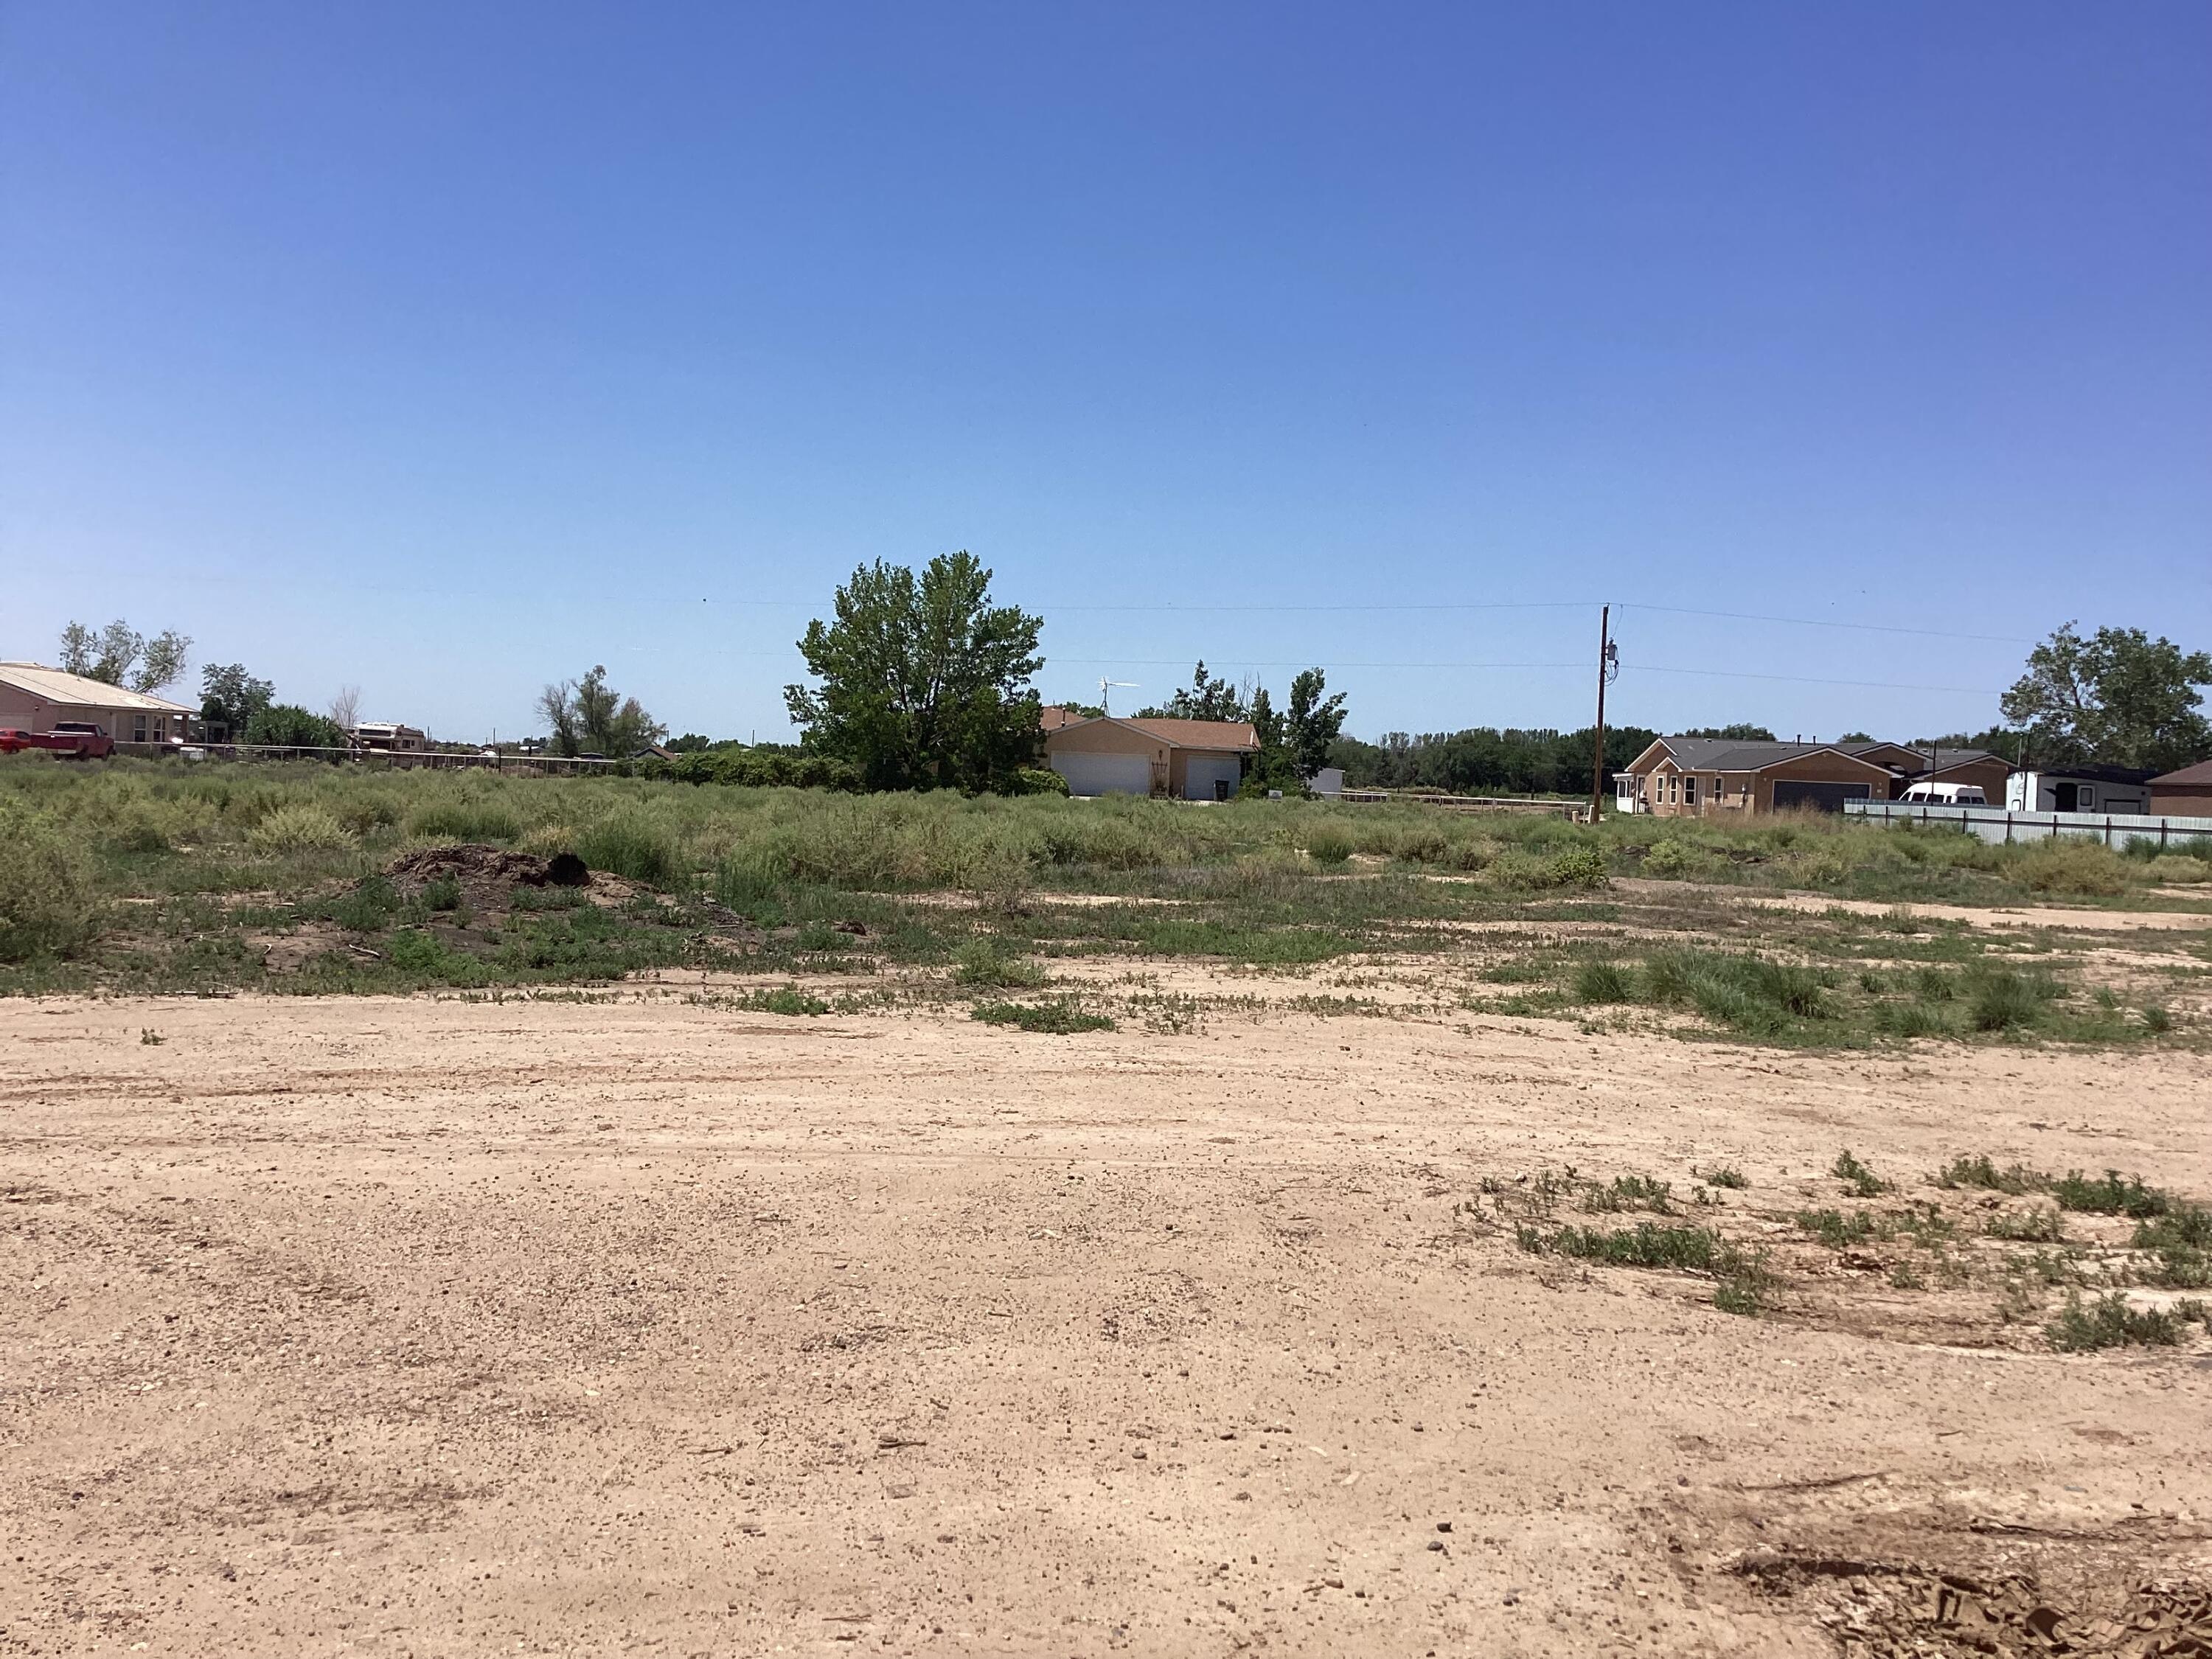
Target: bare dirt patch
x,y
556,1326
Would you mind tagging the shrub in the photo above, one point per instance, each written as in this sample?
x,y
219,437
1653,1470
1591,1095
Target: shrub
x,y
2110,1322
629,845
2109,1196
2177,868
2072,865
1674,859
1059,1019
1577,866
1038,780
305,826
465,820
1330,844
48,902
986,961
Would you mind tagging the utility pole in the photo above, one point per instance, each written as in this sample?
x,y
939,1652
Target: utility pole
x,y
1606,660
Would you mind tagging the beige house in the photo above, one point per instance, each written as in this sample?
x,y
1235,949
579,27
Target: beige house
x,y
33,697
1182,760
1703,777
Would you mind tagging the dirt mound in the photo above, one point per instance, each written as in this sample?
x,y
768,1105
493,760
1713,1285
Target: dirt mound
x,y
489,865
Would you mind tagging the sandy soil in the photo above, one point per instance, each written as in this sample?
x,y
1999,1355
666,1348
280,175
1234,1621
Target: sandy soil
x,y
2079,918
337,1326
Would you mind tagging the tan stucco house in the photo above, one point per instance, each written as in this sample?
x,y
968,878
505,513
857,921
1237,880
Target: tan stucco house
x,y
1182,760
34,696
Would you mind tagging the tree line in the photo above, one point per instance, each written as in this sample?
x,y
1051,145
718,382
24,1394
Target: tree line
x,y
922,680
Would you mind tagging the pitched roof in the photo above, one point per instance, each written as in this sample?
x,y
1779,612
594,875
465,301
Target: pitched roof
x,y
1177,734
1945,758
2198,774
56,685
1728,755
1052,717
1200,734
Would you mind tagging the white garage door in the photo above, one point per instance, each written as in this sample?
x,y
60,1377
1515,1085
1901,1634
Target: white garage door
x,y
1104,774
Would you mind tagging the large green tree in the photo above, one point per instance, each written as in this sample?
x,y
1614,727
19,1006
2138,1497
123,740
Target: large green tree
x,y
230,698
920,681
1314,721
1206,698
2119,696
589,715
119,655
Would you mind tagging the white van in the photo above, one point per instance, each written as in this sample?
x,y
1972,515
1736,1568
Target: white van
x,y
1947,795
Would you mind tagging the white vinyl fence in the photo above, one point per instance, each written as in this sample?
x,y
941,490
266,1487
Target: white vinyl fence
x,y
1996,823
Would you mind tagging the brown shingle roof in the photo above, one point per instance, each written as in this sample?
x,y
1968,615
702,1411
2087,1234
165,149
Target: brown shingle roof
x,y
2199,774
1200,734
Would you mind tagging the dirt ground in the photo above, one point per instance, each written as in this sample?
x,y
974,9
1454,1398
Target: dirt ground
x,y
557,1327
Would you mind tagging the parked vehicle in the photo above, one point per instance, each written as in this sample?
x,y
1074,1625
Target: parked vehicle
x,y
73,739
1947,795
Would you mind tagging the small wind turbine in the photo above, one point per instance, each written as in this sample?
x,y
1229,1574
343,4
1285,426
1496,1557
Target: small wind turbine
x,y
1104,685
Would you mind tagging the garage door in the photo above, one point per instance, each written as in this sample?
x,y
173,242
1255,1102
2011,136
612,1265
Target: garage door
x,y
1828,797
1105,775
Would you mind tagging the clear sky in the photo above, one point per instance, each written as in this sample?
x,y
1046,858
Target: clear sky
x,y
449,349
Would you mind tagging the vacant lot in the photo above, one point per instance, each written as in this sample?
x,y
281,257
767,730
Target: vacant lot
x,y
652,1323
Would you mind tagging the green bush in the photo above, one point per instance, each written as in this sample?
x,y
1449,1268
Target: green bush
x,y
305,826
2073,867
1060,1018
2000,999
1602,981
1577,866
1038,780
986,961
629,845
287,726
1330,844
465,820
48,904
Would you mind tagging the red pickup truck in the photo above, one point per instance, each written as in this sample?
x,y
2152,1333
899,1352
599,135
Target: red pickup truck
x,y
74,739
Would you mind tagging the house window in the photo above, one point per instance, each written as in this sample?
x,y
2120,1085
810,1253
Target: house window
x,y
1690,790
2087,798
139,726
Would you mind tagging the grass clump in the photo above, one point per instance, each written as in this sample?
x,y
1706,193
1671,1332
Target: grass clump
x,y
1603,982
2110,1322
1837,1230
1632,1192
1860,1179
2109,1195
1745,1282
2182,1240
1331,844
784,999
2001,999
1061,1018
986,961
631,846
1724,1175
2035,1225
1981,1172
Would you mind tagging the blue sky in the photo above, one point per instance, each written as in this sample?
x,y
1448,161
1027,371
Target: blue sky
x,y
445,349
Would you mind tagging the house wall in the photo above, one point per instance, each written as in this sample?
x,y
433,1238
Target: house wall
x,y
2182,801
1819,768
1990,773
1663,791
1193,773
32,713
1104,738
